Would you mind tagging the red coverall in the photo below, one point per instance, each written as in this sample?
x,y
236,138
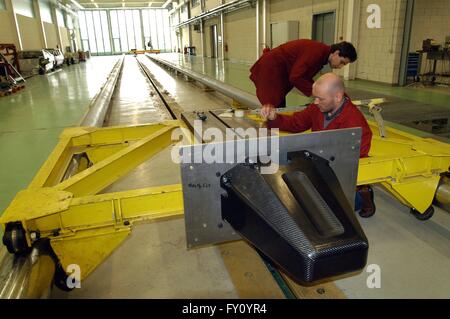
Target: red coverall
x,y
294,63
312,118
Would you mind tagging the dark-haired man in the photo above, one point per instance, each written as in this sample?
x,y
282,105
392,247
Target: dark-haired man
x,y
294,64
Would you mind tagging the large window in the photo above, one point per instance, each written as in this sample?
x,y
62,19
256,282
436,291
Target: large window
x,y
46,11
24,7
117,31
94,31
2,5
60,18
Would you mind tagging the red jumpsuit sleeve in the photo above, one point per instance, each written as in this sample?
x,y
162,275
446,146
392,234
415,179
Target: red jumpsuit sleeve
x,y
296,123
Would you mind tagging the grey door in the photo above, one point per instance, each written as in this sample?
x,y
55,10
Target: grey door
x,y
214,41
323,30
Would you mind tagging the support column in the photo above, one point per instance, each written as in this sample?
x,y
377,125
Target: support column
x,y
202,38
55,22
222,34
37,10
406,42
264,18
10,7
257,30
352,32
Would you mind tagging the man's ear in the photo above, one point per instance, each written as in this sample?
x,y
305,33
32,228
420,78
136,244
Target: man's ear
x,y
339,96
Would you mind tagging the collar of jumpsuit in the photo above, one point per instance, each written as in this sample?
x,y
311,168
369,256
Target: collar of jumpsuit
x,y
328,117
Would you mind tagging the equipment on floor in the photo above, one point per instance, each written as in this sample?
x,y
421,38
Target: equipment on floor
x,y
11,81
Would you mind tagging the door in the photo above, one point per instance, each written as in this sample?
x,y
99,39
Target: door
x,y
214,41
323,31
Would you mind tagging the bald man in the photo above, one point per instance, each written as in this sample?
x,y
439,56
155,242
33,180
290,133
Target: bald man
x,y
332,109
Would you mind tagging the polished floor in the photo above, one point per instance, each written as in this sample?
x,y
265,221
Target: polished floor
x,y
413,256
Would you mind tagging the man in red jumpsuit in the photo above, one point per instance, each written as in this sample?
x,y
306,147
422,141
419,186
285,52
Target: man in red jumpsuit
x,y
294,64
332,109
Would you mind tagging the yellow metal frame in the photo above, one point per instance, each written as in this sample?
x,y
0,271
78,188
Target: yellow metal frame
x,y
84,227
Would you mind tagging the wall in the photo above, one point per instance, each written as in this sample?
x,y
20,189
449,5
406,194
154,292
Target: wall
x,y
65,42
30,33
211,4
431,20
50,34
7,34
240,30
207,31
196,41
379,49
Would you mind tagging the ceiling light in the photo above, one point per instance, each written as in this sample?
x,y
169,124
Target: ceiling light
x,y
96,5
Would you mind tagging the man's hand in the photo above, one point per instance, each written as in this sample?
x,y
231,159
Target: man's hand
x,y
268,112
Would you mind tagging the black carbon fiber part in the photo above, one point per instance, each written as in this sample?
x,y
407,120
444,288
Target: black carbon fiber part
x,y
298,217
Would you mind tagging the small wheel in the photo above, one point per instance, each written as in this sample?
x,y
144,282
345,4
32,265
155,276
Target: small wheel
x,y
14,239
425,216
60,279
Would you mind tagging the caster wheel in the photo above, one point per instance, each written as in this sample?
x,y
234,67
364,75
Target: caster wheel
x,y
425,216
14,239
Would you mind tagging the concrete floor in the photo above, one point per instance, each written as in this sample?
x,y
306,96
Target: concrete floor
x,y
414,256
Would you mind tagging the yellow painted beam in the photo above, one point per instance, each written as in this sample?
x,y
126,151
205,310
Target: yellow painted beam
x,y
104,173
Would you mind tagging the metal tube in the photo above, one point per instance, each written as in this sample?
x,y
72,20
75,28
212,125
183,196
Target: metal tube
x,y
26,276
264,18
99,106
236,94
443,192
257,29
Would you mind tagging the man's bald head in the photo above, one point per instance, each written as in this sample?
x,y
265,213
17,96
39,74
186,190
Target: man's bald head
x,y
331,82
328,92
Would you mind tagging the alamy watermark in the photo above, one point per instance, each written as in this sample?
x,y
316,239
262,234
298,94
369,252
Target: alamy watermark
x,y
233,146
374,279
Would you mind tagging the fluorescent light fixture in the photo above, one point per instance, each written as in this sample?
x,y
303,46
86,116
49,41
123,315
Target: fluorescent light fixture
x,y
123,4
79,6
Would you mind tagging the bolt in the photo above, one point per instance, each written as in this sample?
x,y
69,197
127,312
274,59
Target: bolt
x,y
126,223
320,291
33,236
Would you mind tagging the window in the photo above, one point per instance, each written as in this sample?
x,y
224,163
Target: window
x,y
130,29
195,3
60,17
24,7
46,11
69,21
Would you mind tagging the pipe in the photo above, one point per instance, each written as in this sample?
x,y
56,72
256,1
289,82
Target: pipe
x,y
264,17
215,11
98,108
236,94
443,192
27,276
